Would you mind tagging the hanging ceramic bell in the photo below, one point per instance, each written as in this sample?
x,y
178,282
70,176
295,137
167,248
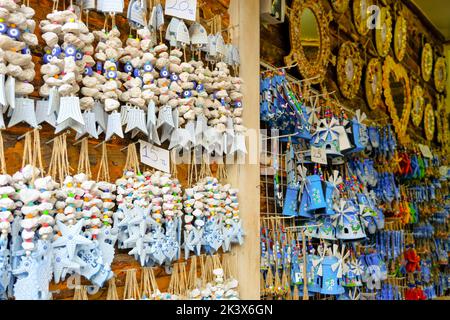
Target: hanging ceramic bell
x,y
303,208
359,134
42,115
69,110
327,137
290,201
315,193
331,284
136,120
89,125
24,111
114,126
347,222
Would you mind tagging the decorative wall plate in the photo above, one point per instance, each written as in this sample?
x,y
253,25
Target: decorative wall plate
x,y
400,37
360,16
427,62
399,74
418,105
309,69
349,69
429,122
440,74
373,83
340,6
383,35
441,119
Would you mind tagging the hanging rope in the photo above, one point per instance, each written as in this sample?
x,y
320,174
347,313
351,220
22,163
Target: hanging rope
x,y
84,165
80,293
222,173
132,161
103,170
2,155
59,167
192,277
112,290
173,164
32,152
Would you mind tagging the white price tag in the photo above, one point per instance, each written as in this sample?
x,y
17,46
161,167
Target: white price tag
x,y
426,152
155,157
112,6
318,155
183,9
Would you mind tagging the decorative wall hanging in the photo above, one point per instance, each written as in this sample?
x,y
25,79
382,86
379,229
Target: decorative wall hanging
x,y
400,37
429,122
394,73
340,6
442,120
349,69
373,83
427,62
418,105
309,67
383,35
360,16
440,74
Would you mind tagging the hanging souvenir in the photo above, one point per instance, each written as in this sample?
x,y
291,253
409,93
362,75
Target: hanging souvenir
x,y
429,122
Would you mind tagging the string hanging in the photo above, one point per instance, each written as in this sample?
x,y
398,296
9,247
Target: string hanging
x,y
131,290
84,165
112,290
2,155
103,171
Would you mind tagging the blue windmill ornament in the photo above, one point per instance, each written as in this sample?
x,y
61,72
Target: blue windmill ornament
x,y
315,190
315,286
327,137
347,222
290,201
353,278
332,191
368,216
304,206
359,135
334,267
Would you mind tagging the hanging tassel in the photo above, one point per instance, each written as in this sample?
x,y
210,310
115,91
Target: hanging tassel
x,y
192,277
222,173
295,295
269,282
84,165
2,156
103,171
131,290
132,161
147,287
80,293
112,290
173,164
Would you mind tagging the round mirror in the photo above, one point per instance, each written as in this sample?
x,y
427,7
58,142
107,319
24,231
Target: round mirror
x,y
429,122
383,35
349,69
440,74
427,62
418,105
400,35
361,15
310,35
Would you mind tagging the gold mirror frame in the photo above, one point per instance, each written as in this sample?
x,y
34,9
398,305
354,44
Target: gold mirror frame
x,y
340,6
374,100
349,88
440,83
360,25
400,73
427,62
401,28
441,119
429,122
417,110
383,47
309,70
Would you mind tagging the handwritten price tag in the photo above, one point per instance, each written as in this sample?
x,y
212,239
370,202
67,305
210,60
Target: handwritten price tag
x,y
318,155
183,9
155,157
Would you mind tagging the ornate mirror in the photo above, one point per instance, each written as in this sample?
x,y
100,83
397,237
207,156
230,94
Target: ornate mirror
x,y
440,74
310,42
418,105
429,122
349,69
441,119
400,37
340,6
373,83
361,15
397,93
427,62
383,35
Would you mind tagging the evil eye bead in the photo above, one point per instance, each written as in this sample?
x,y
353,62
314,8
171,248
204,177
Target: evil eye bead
x,y
174,77
70,51
187,94
148,67
47,58
88,71
200,87
238,104
164,73
99,67
222,102
3,27
128,68
13,32
136,73
56,51
111,74
26,50
79,55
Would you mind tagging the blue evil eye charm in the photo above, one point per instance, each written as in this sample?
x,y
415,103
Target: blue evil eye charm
x,y
174,77
148,67
99,67
187,94
48,58
128,68
200,87
88,71
70,51
79,55
222,101
56,51
136,73
111,74
238,104
26,50
13,32
164,73
3,26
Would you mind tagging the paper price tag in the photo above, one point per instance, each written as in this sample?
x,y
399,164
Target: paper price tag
x,y
155,157
318,155
112,6
183,9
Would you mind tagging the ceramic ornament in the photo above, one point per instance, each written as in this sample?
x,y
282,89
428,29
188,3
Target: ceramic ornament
x,y
7,205
193,219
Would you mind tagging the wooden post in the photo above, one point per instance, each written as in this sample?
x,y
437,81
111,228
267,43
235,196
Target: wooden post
x,y
245,15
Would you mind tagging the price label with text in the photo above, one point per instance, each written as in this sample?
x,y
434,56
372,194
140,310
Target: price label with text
x,y
155,157
183,9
